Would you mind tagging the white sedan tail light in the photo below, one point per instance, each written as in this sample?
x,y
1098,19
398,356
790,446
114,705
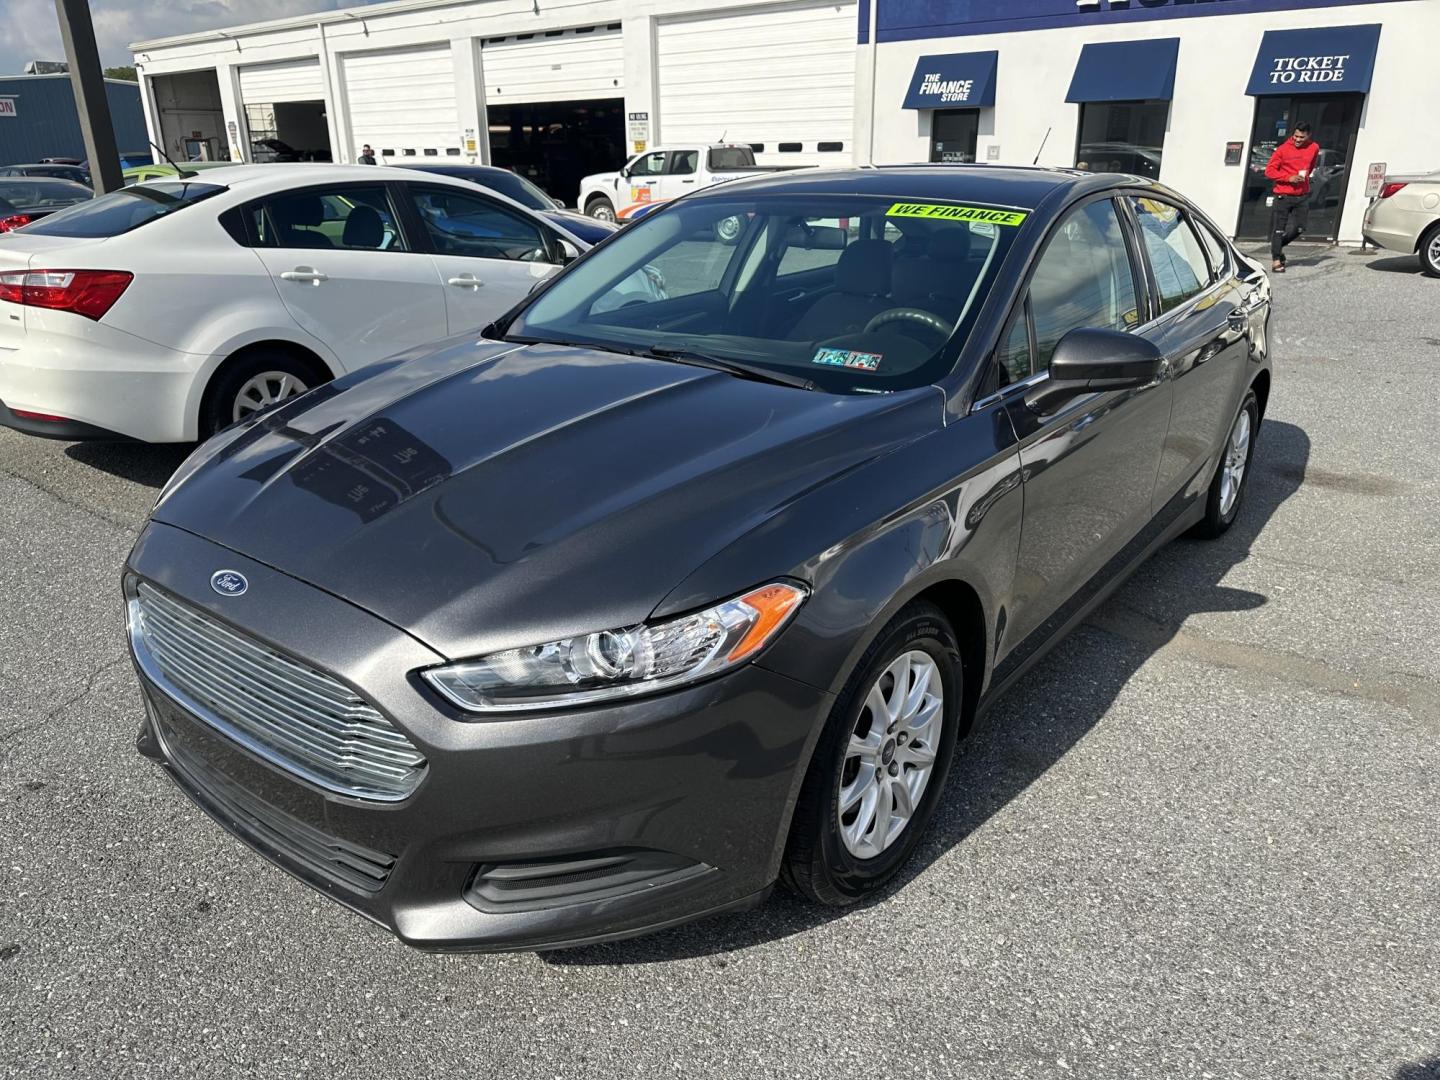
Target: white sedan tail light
x,y
90,293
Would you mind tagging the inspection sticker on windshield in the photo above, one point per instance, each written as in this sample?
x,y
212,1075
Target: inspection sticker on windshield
x,y
846,358
942,212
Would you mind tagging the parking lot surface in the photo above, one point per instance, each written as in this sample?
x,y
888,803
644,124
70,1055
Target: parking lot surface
x,y
1199,841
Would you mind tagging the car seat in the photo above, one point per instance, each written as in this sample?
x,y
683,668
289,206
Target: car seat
x,y
862,285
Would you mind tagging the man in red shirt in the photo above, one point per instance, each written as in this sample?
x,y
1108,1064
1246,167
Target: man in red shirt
x,y
1291,167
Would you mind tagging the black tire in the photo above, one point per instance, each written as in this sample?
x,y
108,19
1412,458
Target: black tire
x,y
1429,251
1218,516
601,209
817,863
218,410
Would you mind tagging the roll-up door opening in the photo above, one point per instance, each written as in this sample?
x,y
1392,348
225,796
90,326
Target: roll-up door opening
x,y
285,111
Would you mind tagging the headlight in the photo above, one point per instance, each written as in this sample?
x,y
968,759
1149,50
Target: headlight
x,y
621,663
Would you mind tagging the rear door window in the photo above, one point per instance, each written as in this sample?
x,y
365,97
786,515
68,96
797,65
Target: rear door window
x,y
1176,258
683,162
124,210
351,218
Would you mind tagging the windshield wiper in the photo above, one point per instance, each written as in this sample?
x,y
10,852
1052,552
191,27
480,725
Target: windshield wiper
x,y
734,367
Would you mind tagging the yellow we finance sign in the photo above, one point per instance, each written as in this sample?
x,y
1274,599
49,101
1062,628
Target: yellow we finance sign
x,y
950,212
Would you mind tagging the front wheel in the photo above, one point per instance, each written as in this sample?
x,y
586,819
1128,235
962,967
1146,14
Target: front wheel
x,y
880,766
1232,476
601,210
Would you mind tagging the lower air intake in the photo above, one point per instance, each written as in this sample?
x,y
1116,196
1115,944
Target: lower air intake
x,y
535,886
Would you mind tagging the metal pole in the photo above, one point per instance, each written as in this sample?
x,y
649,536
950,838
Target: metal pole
x,y
88,81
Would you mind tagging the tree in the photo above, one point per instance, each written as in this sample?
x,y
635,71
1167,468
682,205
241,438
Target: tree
x,y
126,73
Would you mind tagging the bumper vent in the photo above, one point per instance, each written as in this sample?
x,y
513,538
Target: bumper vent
x,y
342,862
557,882
278,708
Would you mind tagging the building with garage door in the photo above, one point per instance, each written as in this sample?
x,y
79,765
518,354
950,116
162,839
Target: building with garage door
x,y
555,91
1194,92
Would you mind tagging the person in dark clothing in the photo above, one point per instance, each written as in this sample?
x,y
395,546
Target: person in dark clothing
x,y
1290,167
367,156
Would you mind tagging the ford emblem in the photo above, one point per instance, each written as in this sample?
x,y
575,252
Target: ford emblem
x,y
229,582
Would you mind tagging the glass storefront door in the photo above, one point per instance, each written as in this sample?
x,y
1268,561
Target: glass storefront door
x,y
953,135
1334,120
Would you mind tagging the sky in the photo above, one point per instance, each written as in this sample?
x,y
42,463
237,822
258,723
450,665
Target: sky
x,y
32,33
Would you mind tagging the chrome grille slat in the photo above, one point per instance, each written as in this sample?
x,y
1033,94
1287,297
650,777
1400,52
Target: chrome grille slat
x,y
201,667
287,712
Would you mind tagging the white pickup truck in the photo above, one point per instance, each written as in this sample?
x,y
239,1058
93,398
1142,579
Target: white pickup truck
x,y
666,173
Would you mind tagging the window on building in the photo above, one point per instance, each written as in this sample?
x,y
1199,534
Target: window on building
x,y
953,134
1122,137
790,148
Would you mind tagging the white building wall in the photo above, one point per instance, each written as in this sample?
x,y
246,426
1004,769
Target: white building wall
x,y
1399,126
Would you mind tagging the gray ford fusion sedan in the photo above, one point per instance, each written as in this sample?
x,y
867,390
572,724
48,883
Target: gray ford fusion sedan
x,y
622,613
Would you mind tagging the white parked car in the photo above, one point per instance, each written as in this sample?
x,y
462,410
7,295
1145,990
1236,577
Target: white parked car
x,y
170,309
1405,216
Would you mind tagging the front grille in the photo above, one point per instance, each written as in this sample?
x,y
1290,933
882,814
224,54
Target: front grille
x,y
285,711
342,862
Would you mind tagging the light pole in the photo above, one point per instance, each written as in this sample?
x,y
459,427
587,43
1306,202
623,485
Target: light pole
x,y
88,81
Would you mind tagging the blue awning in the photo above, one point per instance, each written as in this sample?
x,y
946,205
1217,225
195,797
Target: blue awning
x,y
953,81
1126,71
1324,60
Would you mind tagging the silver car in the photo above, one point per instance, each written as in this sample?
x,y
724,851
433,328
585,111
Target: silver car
x,y
1406,217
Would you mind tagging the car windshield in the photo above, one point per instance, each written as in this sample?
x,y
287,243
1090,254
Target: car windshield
x,y
519,189
857,294
126,209
27,196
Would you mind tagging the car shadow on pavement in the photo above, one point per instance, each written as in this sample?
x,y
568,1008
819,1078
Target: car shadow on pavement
x,y
1034,724
1397,264
1419,1070
140,463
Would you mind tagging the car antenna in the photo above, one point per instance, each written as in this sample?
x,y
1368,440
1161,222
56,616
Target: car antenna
x,y
1042,144
178,171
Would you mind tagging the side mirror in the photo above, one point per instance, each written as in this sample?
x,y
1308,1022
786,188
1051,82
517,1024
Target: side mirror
x,y
568,252
1088,360
624,172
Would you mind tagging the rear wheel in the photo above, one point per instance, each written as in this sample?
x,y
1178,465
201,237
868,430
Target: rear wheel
x,y
601,209
1232,477
880,766
254,384
1430,251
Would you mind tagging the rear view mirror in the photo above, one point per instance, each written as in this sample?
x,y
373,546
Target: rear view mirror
x,y
1089,360
816,237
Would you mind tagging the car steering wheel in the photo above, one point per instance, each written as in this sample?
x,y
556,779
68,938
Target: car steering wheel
x,y
927,319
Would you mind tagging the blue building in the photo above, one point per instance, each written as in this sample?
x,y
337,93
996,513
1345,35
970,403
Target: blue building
x,y
38,118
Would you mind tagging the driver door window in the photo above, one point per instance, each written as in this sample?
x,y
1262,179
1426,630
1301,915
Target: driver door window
x,y
1084,278
487,256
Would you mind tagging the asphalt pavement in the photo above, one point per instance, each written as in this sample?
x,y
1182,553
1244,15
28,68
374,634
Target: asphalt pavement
x,y
1199,841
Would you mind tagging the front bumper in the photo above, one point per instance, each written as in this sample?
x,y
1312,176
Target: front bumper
x,y
698,783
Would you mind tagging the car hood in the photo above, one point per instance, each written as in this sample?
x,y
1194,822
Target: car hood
x,y
489,496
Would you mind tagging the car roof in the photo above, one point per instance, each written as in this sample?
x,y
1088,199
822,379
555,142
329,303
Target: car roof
x,y
1020,186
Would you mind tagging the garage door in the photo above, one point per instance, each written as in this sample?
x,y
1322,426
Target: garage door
x,y
782,77
573,65
402,102
265,84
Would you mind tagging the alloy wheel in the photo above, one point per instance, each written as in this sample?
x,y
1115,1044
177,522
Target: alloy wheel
x,y
1237,456
265,391
891,754
1432,251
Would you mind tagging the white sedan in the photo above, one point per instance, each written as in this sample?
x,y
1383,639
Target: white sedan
x,y
1405,216
168,310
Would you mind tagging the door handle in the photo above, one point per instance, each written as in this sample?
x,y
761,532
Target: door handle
x,y
690,181
465,281
305,274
